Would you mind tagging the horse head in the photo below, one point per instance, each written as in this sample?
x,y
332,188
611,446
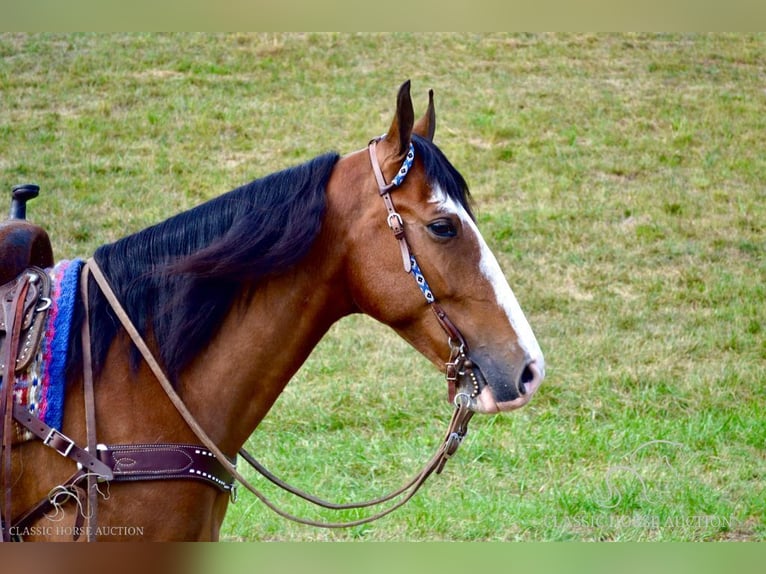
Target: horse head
x,y
419,196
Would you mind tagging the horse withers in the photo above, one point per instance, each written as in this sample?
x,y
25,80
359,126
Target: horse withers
x,y
240,290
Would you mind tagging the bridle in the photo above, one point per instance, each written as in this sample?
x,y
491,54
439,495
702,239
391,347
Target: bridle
x,y
458,364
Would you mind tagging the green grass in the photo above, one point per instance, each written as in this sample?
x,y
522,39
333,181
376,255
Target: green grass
x,y
620,181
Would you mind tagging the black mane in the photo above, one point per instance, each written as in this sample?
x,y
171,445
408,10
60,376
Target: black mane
x,y
179,278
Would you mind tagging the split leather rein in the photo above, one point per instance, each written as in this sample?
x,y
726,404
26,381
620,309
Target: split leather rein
x,y
208,462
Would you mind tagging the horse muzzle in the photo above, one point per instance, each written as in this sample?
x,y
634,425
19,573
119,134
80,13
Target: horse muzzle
x,y
499,392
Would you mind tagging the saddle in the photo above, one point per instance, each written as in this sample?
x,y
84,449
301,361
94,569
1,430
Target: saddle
x,y
25,250
22,243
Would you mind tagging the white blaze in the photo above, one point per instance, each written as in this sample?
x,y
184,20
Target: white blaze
x,y
491,270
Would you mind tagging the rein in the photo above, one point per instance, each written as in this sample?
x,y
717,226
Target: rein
x,y
455,433
210,463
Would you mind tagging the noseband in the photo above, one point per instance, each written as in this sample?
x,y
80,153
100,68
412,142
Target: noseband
x,y
459,363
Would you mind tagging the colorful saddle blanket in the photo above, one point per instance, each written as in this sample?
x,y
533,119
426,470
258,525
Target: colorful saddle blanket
x,y
41,387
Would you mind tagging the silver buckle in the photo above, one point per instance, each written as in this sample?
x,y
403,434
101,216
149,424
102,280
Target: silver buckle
x,y
56,434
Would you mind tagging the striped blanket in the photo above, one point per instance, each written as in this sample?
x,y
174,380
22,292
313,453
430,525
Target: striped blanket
x,y
41,388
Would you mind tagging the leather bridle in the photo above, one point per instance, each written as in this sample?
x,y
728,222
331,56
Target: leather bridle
x,y
459,363
224,473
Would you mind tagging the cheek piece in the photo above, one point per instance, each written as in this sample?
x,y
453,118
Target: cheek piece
x,y
459,363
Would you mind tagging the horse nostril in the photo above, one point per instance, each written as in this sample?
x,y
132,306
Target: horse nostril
x,y
529,376
526,376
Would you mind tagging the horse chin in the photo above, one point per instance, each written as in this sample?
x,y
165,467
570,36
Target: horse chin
x,y
486,403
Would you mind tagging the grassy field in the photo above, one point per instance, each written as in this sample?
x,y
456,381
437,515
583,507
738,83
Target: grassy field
x,y
620,179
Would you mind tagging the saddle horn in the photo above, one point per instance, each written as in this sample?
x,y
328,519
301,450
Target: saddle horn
x,y
19,197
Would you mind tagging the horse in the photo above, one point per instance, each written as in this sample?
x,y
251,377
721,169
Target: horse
x,y
231,297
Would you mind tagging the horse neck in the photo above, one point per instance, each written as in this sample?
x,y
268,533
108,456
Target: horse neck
x,y
264,339
262,342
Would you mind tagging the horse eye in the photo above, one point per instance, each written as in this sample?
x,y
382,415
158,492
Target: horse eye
x,y
442,228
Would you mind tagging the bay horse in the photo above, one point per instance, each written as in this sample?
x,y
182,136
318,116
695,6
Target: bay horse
x,y
233,295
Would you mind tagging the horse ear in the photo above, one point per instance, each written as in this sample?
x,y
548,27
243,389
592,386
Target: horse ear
x,y
401,128
426,126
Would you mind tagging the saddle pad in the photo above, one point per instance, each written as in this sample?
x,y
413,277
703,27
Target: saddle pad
x,y
40,389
